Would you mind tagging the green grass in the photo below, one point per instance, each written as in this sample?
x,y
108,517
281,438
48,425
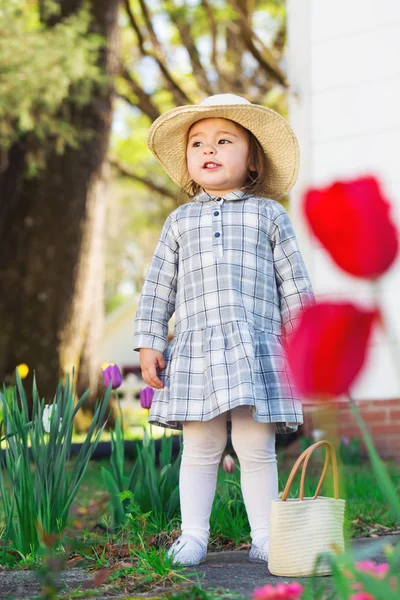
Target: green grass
x,y
136,555
367,511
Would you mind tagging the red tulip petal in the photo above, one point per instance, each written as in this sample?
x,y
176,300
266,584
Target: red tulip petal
x,y
352,221
328,349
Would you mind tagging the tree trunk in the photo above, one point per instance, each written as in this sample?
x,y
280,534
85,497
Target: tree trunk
x,y
51,241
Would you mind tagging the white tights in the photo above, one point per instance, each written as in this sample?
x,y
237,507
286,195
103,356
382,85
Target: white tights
x,y
203,445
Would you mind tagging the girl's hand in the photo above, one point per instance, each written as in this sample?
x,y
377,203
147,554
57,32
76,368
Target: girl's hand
x,y
150,360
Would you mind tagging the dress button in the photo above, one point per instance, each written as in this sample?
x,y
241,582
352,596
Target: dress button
x,y
217,234
216,213
218,199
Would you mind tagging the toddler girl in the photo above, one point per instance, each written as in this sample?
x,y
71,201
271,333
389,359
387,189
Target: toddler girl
x,y
227,263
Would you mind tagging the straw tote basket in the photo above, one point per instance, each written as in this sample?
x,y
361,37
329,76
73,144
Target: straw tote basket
x,y
302,528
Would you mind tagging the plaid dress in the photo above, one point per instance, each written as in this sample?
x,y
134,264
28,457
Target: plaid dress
x,y
231,270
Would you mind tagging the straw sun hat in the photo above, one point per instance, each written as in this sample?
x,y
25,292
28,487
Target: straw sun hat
x,y
167,139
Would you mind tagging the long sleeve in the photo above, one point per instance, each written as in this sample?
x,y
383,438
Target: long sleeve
x,y
157,301
294,285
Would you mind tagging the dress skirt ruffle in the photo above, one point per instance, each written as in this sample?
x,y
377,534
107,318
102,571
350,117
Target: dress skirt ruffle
x,y
210,371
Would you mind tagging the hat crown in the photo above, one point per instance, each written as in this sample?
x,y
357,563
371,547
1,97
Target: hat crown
x,y
167,139
223,99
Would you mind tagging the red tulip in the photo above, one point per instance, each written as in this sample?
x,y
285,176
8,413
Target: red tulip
x,y
352,221
112,374
328,348
146,397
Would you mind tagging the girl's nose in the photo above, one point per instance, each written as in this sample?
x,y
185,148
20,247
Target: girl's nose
x,y
208,149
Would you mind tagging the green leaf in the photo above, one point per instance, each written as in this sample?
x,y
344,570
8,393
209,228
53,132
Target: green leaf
x,y
112,488
42,488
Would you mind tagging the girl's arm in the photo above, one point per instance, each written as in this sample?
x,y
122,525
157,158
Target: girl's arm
x,y
157,301
294,285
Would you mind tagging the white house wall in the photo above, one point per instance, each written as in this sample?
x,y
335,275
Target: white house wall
x,y
117,346
344,106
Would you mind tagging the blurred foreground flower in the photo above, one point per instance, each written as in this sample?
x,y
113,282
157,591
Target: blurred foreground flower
x,y
352,221
112,374
329,346
283,591
368,566
146,397
228,464
328,349
378,571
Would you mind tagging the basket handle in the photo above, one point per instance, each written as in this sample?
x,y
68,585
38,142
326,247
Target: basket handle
x,y
305,457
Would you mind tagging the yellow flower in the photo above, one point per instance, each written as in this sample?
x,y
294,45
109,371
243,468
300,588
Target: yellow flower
x,y
23,370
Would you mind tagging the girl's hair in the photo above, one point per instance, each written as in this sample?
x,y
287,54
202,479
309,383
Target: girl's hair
x,y
254,183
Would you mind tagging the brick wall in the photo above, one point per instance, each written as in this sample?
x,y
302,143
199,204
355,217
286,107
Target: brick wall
x,y
382,418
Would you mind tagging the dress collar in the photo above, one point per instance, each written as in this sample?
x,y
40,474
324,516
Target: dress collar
x,y
234,195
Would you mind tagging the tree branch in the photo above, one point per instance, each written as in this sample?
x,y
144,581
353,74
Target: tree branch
x,y
223,85
179,95
186,37
214,33
265,60
135,27
126,172
263,55
263,86
145,102
280,38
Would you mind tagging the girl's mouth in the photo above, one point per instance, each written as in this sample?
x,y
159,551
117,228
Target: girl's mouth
x,y
211,166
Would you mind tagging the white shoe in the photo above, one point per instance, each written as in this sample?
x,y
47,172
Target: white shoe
x,y
187,550
257,554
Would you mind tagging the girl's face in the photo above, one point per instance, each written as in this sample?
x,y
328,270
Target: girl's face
x,y
217,154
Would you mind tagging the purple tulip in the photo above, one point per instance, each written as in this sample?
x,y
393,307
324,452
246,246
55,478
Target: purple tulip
x,y
146,397
112,374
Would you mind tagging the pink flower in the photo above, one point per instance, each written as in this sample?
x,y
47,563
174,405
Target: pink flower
x,y
283,591
146,397
368,566
374,570
228,464
362,596
112,375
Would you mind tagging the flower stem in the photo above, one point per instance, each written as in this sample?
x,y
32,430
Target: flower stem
x,y
388,328
379,468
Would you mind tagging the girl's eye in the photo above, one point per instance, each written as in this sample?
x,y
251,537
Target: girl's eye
x,y
196,144
224,142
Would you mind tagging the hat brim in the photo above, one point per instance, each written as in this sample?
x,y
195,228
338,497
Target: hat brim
x,y
168,134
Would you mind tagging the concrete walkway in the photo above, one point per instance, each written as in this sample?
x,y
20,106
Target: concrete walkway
x,y
228,570
232,570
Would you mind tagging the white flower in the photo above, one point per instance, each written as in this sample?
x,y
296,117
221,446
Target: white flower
x,y
318,435
47,417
